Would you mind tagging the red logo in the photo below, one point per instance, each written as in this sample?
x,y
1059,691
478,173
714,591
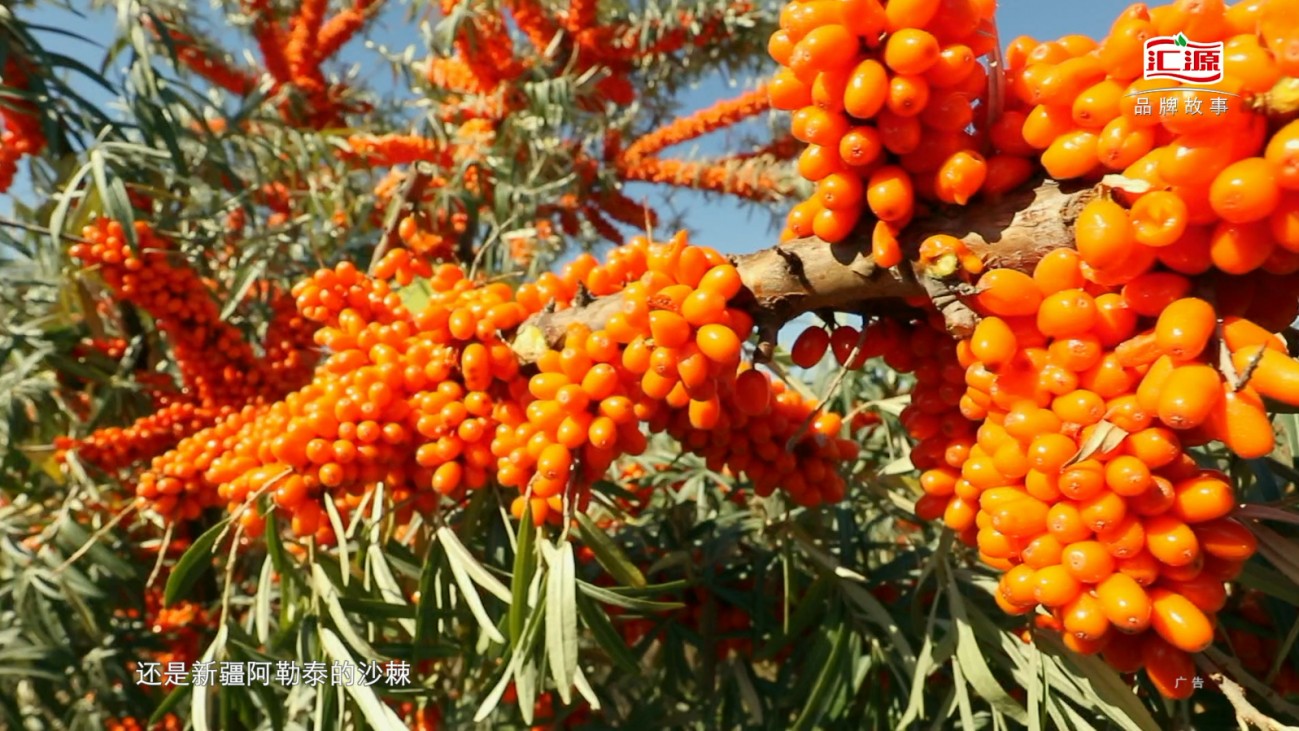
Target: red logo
x,y
1178,59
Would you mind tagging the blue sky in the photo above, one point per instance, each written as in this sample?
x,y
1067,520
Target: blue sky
x,y
727,225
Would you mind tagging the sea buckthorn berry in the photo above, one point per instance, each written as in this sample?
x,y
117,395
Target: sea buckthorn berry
x,y
1245,191
861,146
903,14
868,90
1066,313
1103,233
1088,561
1125,538
993,342
911,51
890,194
1179,622
1125,603
1171,541
1018,586
1072,155
1085,618
1055,586
1165,665
1225,538
1185,327
1203,498
961,176
1159,218
1189,396
1282,153
822,49
810,347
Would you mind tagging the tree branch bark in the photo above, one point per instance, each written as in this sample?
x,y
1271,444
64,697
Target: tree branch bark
x,y
811,275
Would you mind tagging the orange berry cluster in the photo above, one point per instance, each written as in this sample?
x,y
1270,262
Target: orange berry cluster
x,y
884,95
432,402
1078,483
218,369
1054,439
169,722
20,129
1215,190
1086,381
217,365
670,357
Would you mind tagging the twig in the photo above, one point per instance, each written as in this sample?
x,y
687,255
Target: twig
x,y
1246,712
94,538
41,230
997,78
831,390
1266,512
1243,379
1220,664
162,554
411,192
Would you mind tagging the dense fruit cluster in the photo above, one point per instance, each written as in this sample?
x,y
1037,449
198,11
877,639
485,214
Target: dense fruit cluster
x,y
1054,438
169,722
20,129
1218,188
431,401
885,95
671,357
218,369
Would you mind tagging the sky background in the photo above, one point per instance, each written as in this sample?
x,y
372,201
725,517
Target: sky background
x,y
725,224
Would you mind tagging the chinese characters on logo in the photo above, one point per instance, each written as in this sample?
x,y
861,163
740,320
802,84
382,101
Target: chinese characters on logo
x,y
1177,59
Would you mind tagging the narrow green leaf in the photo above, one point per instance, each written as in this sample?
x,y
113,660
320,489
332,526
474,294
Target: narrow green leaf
x,y
340,534
59,216
561,615
827,681
198,706
196,559
962,694
245,277
427,606
605,596
973,663
606,635
169,704
377,714
329,593
388,588
930,657
460,556
584,688
525,564
262,608
610,556
113,195
1103,689
468,590
531,632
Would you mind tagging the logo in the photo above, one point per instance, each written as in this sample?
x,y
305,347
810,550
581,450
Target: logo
x,y
1177,59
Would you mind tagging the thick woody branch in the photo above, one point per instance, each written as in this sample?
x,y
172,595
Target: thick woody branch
x,y
810,275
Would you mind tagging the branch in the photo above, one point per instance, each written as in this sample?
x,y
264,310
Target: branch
x,y
1246,712
806,275
411,192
